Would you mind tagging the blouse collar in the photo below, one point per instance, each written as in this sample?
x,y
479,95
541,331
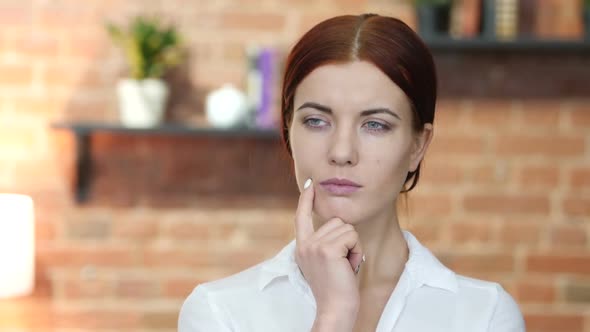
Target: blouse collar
x,y
422,268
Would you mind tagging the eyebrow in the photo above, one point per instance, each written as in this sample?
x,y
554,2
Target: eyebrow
x,y
328,110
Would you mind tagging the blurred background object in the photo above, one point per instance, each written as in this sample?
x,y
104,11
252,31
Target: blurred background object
x,y
151,49
128,220
17,245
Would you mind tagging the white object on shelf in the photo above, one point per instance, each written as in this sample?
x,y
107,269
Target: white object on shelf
x,y
142,102
226,107
17,245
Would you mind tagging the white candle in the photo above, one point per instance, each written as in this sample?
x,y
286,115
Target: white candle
x,y
17,245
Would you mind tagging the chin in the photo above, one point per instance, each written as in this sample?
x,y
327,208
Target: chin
x,y
337,207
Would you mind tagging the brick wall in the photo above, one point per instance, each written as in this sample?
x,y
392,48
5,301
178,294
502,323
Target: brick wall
x,y
505,194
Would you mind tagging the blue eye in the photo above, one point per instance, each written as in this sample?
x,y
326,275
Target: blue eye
x,y
376,126
314,123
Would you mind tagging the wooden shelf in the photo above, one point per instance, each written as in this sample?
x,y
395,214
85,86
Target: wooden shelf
x,y
167,129
448,44
83,135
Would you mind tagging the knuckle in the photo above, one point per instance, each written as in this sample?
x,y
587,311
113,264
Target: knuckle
x,y
337,221
348,227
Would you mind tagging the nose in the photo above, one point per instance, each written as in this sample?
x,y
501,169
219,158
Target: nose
x,y
343,148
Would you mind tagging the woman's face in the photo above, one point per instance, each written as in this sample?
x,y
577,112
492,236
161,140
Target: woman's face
x,y
351,122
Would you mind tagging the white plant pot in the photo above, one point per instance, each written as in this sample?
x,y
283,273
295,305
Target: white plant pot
x,y
142,102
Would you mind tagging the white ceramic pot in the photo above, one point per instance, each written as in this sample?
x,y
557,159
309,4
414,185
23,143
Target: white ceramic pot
x,y
142,102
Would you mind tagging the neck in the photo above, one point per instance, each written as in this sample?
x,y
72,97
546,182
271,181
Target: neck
x,y
385,248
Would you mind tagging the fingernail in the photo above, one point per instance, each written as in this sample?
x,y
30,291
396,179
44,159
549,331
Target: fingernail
x,y
363,258
356,271
307,183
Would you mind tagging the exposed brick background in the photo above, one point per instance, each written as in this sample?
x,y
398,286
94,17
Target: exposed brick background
x,y
505,193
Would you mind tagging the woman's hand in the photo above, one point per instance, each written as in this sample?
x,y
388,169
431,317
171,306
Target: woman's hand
x,y
328,259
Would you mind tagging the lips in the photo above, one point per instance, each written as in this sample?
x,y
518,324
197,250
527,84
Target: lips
x,y
340,187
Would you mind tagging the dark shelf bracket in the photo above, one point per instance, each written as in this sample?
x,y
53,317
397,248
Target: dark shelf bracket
x,y
83,165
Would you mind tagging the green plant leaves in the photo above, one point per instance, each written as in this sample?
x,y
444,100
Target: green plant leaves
x,y
149,47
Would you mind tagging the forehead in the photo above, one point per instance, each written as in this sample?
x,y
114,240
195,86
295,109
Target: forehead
x,y
350,86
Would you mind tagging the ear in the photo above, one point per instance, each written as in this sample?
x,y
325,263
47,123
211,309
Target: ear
x,y
420,145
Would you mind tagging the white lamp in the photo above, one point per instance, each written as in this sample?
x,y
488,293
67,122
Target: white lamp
x,y
17,245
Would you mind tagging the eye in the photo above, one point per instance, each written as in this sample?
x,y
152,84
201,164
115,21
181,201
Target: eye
x,y
376,126
314,123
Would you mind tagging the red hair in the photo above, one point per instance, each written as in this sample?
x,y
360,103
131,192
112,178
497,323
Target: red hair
x,y
386,42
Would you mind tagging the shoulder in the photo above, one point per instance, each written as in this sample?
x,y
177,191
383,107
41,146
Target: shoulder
x,y
243,280
202,310
490,297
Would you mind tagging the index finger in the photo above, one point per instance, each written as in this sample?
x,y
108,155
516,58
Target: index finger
x,y
303,221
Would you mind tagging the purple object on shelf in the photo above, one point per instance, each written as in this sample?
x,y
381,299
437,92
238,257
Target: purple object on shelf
x,y
264,116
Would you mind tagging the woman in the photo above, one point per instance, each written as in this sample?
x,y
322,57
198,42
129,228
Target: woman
x,y
358,106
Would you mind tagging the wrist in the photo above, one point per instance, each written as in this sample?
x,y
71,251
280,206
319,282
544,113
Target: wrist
x,y
335,320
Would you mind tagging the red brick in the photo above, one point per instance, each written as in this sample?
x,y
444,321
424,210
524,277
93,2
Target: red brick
x,y
97,319
61,75
168,257
447,146
491,174
31,313
426,232
580,177
135,229
269,233
580,114
479,263
16,75
542,176
179,288
449,114
253,21
80,289
44,229
506,204
62,17
513,233
309,20
542,113
47,108
77,256
441,174
535,292
36,45
575,263
568,235
577,291
88,47
577,206
470,232
550,146
160,320
188,230
17,15
492,113
137,288
435,205
550,322
17,140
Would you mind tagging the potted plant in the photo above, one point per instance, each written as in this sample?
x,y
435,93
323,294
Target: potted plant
x,y
150,48
433,17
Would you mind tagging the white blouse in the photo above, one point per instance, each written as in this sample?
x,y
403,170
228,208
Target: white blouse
x,y
274,296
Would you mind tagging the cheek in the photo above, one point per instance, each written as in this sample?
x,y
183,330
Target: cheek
x,y
304,154
388,172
